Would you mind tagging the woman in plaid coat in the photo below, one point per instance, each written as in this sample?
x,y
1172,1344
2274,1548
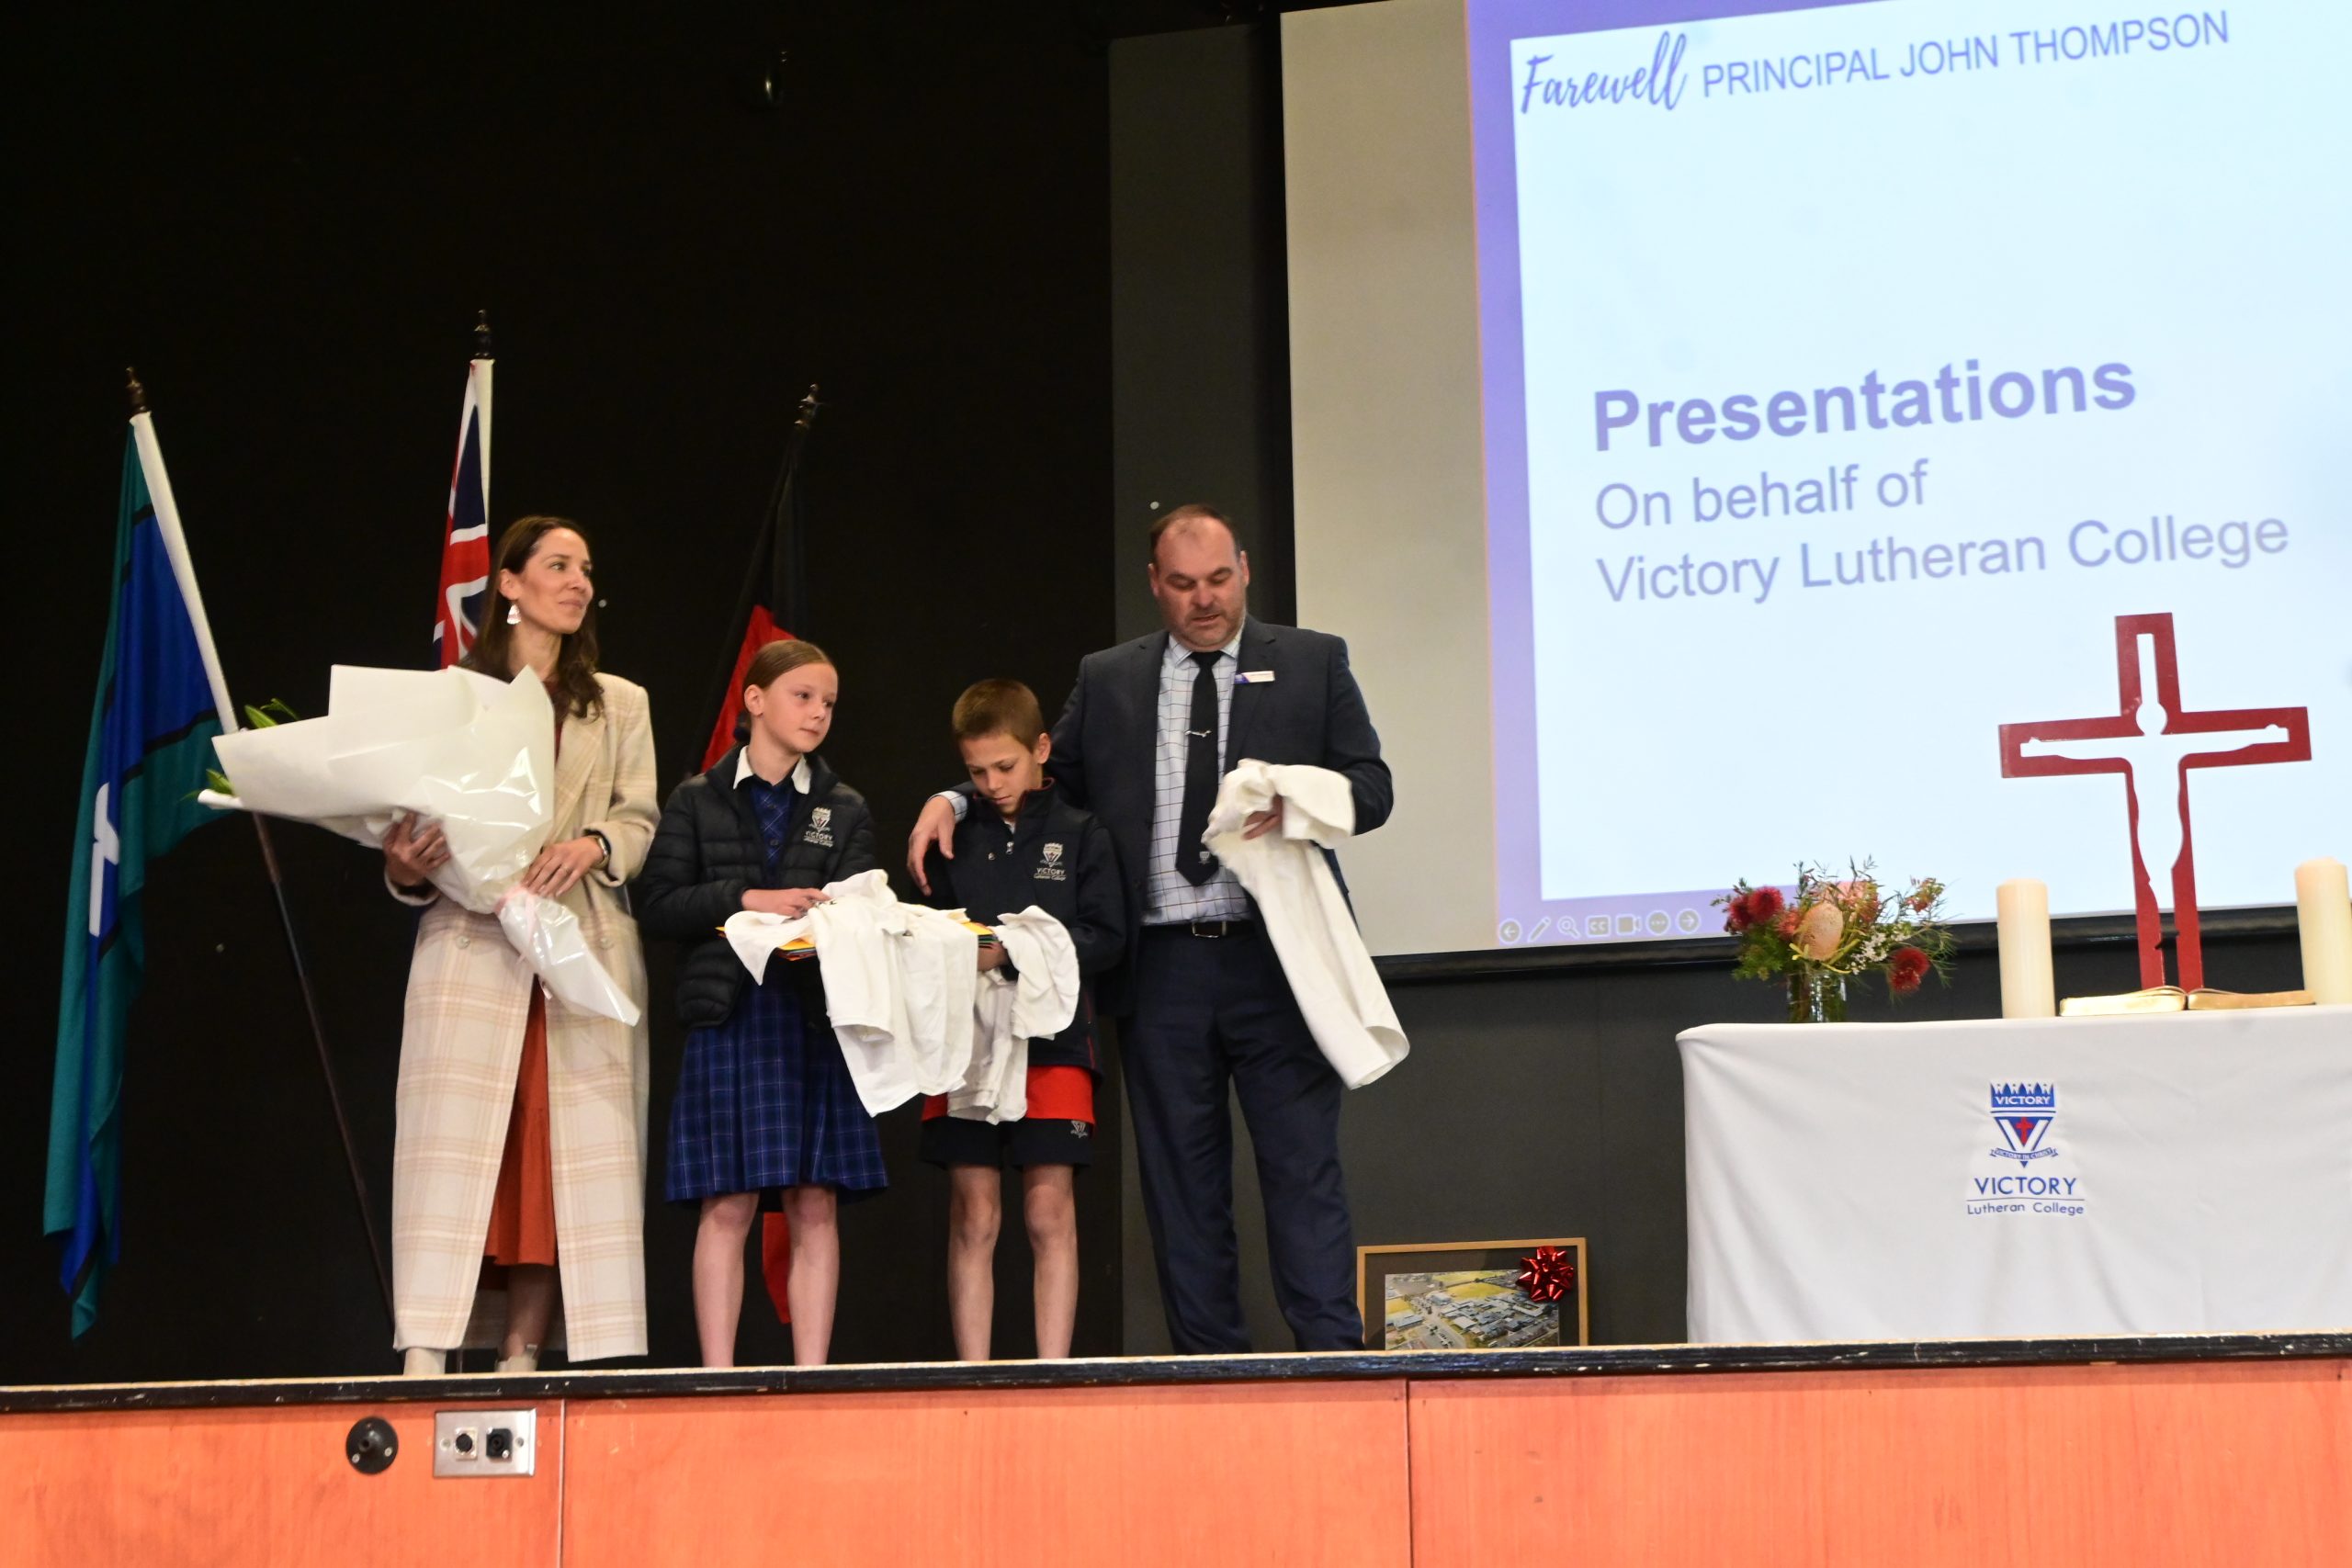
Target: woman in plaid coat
x,y
518,1165
764,1101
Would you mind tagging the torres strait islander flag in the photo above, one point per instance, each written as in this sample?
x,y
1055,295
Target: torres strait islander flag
x,y
160,701
465,549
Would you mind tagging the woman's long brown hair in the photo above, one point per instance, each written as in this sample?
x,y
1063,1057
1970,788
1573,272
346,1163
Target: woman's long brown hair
x,y
577,691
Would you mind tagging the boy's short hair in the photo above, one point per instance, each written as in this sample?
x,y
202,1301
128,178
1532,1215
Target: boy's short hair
x,y
999,707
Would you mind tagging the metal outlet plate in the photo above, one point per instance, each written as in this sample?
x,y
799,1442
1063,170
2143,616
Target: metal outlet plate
x,y
485,1443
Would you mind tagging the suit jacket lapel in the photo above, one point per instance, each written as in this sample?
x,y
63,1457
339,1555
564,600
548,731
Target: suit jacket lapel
x,y
1144,692
1131,826
583,740
1256,652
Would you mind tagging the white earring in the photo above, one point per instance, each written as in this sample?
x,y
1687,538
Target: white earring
x,y
513,613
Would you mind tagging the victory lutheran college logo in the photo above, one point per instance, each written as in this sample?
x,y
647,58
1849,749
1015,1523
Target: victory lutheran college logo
x,y
2024,1113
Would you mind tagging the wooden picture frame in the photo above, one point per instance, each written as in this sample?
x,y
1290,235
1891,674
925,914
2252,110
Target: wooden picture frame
x,y
1497,1262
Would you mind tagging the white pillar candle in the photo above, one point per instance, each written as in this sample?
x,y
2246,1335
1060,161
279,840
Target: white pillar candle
x,y
2027,987
2323,916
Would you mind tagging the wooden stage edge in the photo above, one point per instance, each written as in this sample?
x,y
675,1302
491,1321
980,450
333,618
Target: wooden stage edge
x,y
1162,1371
2097,1454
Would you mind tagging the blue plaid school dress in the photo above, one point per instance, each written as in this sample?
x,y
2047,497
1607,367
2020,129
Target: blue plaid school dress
x,y
765,1100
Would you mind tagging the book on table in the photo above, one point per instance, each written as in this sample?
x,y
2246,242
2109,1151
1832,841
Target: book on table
x,y
2172,999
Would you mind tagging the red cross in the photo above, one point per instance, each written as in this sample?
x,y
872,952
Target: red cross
x,y
2128,734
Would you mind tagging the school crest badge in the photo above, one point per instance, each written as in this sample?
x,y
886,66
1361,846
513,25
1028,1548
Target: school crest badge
x,y
821,827
1050,869
2024,1111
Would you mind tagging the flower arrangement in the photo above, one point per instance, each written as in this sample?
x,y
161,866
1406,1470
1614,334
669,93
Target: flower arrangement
x,y
1836,930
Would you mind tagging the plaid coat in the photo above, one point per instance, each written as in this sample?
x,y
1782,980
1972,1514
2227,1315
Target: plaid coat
x,y
468,993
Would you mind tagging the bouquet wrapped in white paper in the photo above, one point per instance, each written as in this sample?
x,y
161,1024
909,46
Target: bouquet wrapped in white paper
x,y
473,754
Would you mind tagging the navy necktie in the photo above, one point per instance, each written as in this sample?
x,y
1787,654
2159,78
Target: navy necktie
x,y
1199,775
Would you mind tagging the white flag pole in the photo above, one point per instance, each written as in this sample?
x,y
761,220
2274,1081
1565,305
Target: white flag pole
x,y
167,521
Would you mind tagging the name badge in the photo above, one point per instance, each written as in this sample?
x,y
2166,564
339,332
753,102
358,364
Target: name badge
x,y
1254,678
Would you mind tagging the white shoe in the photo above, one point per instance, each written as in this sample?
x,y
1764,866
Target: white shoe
x,y
529,1361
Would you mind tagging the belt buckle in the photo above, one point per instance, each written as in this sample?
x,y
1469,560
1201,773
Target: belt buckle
x,y
1215,930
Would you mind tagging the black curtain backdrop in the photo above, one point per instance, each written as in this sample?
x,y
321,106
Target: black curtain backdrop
x,y
288,222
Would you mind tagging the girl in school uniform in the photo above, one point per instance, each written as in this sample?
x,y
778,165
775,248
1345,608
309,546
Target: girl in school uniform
x,y
764,1099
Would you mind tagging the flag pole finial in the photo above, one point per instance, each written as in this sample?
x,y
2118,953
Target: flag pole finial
x,y
481,336
138,393
808,407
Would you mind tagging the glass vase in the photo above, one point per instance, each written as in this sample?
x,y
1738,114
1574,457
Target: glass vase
x,y
1816,995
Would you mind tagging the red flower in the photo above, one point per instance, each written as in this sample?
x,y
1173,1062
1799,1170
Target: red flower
x,y
1786,926
1906,967
1757,906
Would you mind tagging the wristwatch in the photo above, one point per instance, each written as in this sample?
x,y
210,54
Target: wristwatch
x,y
607,844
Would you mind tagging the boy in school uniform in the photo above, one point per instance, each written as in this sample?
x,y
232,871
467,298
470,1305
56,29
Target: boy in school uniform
x,y
1024,846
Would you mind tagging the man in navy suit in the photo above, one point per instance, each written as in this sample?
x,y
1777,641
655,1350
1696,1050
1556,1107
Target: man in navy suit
x,y
1151,728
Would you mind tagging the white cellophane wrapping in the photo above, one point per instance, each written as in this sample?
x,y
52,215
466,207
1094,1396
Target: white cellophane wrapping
x,y
474,755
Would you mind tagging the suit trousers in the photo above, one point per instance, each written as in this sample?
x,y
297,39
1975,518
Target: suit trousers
x,y
1211,1011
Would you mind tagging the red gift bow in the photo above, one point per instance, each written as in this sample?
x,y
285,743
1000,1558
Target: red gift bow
x,y
1548,1274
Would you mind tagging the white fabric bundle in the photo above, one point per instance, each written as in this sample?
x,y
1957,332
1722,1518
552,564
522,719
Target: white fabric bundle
x,y
1036,1002
899,983
1313,932
939,975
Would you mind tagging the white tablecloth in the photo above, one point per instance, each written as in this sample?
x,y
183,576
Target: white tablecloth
x,y
2186,1173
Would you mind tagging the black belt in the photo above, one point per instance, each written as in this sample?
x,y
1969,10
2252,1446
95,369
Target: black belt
x,y
1212,928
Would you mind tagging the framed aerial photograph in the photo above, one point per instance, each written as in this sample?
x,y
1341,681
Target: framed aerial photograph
x,y
1464,1295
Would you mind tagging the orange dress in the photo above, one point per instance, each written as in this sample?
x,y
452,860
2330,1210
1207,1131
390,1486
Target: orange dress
x,y
522,1215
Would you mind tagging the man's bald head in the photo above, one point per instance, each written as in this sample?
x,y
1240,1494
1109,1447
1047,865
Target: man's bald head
x,y
1200,575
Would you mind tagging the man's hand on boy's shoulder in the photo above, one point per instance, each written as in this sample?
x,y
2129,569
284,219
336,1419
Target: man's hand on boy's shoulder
x,y
935,875
932,837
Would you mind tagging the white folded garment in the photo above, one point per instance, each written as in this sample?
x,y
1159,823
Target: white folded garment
x,y
996,1081
1037,1003
938,975
1314,930
898,984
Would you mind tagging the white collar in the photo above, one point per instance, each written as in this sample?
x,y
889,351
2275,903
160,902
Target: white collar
x,y
1178,655
743,771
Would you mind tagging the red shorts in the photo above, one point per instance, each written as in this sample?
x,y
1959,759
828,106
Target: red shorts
x,y
1057,1130
1055,1094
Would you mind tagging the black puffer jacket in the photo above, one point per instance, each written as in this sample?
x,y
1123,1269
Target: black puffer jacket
x,y
707,854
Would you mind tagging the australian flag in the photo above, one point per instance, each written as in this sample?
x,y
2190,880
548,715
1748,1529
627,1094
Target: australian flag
x,y
465,545
159,705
